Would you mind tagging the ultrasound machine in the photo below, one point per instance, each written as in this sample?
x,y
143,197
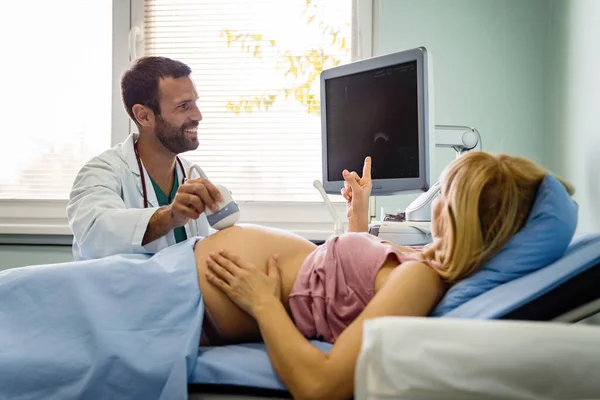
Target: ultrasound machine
x,y
383,107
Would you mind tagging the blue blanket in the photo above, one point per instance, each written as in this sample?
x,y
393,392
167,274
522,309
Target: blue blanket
x,y
121,327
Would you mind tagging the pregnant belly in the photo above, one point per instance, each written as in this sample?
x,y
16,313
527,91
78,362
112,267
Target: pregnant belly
x,y
255,245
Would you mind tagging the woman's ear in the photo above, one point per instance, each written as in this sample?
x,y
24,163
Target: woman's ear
x,y
143,115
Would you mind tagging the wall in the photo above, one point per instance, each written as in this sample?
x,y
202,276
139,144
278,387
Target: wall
x,y
21,255
23,250
488,66
573,145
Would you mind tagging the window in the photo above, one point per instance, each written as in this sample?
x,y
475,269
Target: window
x,y
256,66
57,88
63,105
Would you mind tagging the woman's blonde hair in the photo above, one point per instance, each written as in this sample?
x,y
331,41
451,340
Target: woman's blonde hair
x,y
486,199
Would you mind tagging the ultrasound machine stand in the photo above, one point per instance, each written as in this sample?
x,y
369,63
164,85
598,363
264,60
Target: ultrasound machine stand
x,y
416,229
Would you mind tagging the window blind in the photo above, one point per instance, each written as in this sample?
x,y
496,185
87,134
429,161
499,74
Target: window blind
x,y
57,84
256,67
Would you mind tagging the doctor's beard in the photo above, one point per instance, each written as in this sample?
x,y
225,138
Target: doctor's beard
x,y
174,138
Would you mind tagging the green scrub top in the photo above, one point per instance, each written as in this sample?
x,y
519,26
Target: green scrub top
x,y
163,200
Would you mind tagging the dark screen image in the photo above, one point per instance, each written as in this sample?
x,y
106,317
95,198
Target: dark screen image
x,y
374,113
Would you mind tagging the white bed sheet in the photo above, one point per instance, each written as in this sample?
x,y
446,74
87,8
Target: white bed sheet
x,y
430,358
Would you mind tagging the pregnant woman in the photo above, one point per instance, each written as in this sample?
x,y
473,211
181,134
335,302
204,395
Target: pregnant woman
x,y
326,292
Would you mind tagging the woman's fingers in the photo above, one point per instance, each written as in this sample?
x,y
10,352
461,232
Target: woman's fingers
x,y
367,169
219,271
348,187
233,258
352,182
346,194
219,283
224,260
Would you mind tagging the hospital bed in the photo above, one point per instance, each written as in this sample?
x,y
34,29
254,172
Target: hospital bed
x,y
565,291
126,324
88,340
95,340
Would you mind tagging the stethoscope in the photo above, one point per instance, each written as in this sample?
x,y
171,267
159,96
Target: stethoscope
x,y
139,161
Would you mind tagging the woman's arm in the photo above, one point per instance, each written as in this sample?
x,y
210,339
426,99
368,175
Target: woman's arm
x,y
411,290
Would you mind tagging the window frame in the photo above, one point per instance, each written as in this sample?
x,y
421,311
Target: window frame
x,y
308,219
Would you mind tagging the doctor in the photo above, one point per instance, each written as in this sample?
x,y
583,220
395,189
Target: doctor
x,y
137,197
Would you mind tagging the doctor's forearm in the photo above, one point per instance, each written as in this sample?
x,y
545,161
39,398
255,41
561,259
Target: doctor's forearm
x,y
159,225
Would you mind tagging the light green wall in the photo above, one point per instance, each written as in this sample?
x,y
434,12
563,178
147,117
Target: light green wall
x,y
23,250
21,255
574,102
489,69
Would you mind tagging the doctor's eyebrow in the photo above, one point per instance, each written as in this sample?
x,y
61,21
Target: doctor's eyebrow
x,y
186,101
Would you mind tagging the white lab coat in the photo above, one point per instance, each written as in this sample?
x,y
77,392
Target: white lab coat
x,y
106,206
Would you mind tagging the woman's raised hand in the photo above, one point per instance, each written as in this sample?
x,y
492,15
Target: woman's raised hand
x,y
357,191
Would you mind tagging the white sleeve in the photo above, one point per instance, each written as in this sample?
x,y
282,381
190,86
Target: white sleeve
x,y
101,223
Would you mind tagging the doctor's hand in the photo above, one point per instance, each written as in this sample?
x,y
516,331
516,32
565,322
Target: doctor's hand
x,y
357,191
245,284
192,198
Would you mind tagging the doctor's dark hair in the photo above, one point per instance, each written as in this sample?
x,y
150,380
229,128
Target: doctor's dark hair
x,y
139,84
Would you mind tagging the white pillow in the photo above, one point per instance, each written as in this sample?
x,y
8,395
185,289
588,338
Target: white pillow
x,y
439,358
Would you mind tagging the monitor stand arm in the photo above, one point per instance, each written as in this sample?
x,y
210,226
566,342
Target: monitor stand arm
x,y
457,137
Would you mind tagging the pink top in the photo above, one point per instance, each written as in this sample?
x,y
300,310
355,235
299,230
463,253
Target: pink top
x,y
336,281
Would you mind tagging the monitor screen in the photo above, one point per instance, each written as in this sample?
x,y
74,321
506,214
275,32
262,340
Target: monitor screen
x,y
378,107
374,113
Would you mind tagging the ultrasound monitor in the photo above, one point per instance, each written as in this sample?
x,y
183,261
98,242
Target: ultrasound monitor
x,y
378,107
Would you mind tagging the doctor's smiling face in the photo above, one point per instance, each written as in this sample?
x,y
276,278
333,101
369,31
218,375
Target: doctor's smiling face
x,y
176,124
160,97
